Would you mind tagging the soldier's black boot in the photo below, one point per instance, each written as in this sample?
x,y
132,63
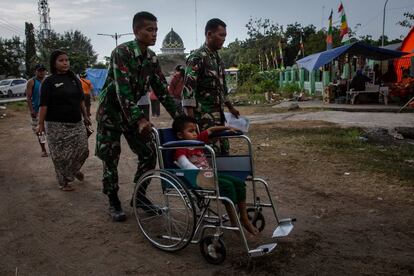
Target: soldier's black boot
x,y
115,209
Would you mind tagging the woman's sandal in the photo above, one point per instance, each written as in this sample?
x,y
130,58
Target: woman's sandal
x,y
80,176
66,188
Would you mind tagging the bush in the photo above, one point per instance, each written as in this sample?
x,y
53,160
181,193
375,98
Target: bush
x,y
247,72
267,85
288,89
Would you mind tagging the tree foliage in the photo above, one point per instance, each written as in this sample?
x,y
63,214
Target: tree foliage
x,y
74,43
316,42
408,20
261,46
30,49
11,56
378,42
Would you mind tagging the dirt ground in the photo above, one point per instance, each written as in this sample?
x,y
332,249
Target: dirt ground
x,y
349,221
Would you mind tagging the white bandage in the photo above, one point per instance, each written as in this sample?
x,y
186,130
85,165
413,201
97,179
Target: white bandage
x,y
184,163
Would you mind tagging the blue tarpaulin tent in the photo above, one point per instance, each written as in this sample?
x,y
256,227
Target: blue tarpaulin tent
x,y
97,78
317,60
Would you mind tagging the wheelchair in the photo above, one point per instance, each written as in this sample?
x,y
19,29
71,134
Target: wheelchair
x,y
175,207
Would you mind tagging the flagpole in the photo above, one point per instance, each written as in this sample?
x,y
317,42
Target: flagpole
x,y
383,24
302,46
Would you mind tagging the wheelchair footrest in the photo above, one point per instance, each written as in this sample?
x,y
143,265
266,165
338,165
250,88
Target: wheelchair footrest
x,y
262,250
284,228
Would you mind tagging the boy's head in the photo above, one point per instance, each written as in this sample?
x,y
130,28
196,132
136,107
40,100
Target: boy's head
x,y
185,128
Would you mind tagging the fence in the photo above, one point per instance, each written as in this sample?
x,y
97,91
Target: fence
x,y
311,82
315,81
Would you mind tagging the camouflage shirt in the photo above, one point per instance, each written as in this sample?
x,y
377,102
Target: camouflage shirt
x,y
130,75
204,82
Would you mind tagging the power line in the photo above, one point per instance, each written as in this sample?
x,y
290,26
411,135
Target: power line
x,y
11,27
7,28
116,36
368,22
400,8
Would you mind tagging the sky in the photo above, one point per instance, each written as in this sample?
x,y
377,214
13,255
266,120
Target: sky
x,y
115,16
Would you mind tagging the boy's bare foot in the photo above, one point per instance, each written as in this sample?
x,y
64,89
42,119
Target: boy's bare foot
x,y
249,227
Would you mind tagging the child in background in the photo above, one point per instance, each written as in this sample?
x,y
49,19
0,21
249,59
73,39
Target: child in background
x,y
185,128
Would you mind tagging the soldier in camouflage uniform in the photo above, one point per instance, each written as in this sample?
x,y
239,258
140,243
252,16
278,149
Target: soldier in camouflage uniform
x,y
133,69
205,92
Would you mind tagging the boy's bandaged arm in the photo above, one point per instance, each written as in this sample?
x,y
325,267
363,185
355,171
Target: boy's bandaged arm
x,y
184,163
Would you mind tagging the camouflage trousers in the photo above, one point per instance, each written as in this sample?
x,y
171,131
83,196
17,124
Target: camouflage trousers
x,y
206,120
108,149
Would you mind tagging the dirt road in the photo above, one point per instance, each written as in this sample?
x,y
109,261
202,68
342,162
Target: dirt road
x,y
359,223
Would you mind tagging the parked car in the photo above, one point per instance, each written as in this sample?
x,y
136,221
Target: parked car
x,y
13,87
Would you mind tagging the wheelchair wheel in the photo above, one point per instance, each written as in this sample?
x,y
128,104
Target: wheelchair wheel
x,y
164,210
213,249
256,218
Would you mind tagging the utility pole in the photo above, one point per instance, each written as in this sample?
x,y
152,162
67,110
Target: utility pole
x,y
383,24
116,36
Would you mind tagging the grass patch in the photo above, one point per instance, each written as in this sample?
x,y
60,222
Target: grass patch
x,y
350,146
17,106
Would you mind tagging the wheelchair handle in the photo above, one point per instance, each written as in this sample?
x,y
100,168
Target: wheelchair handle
x,y
183,143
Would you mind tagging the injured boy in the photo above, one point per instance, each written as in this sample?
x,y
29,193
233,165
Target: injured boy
x,y
185,128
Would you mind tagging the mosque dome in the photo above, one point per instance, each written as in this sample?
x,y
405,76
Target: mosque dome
x,y
172,44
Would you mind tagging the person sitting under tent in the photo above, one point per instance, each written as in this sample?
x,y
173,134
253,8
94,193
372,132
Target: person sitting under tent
x,y
358,81
390,77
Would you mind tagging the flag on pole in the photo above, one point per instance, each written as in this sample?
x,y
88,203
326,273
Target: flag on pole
x,y
267,62
344,35
302,46
275,59
260,63
301,49
329,34
282,66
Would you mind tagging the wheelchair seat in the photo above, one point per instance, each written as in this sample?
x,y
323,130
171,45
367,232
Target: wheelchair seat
x,y
235,165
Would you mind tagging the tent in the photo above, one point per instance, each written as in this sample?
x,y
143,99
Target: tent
x,y
97,78
317,60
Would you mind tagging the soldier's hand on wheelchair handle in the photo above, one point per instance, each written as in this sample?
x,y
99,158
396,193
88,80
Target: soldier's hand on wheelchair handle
x,y
144,127
234,111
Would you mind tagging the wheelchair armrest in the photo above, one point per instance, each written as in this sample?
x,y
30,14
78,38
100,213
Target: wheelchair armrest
x,y
183,144
226,133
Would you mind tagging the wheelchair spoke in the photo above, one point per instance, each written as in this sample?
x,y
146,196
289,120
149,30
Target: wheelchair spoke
x,y
164,210
151,217
176,210
177,230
